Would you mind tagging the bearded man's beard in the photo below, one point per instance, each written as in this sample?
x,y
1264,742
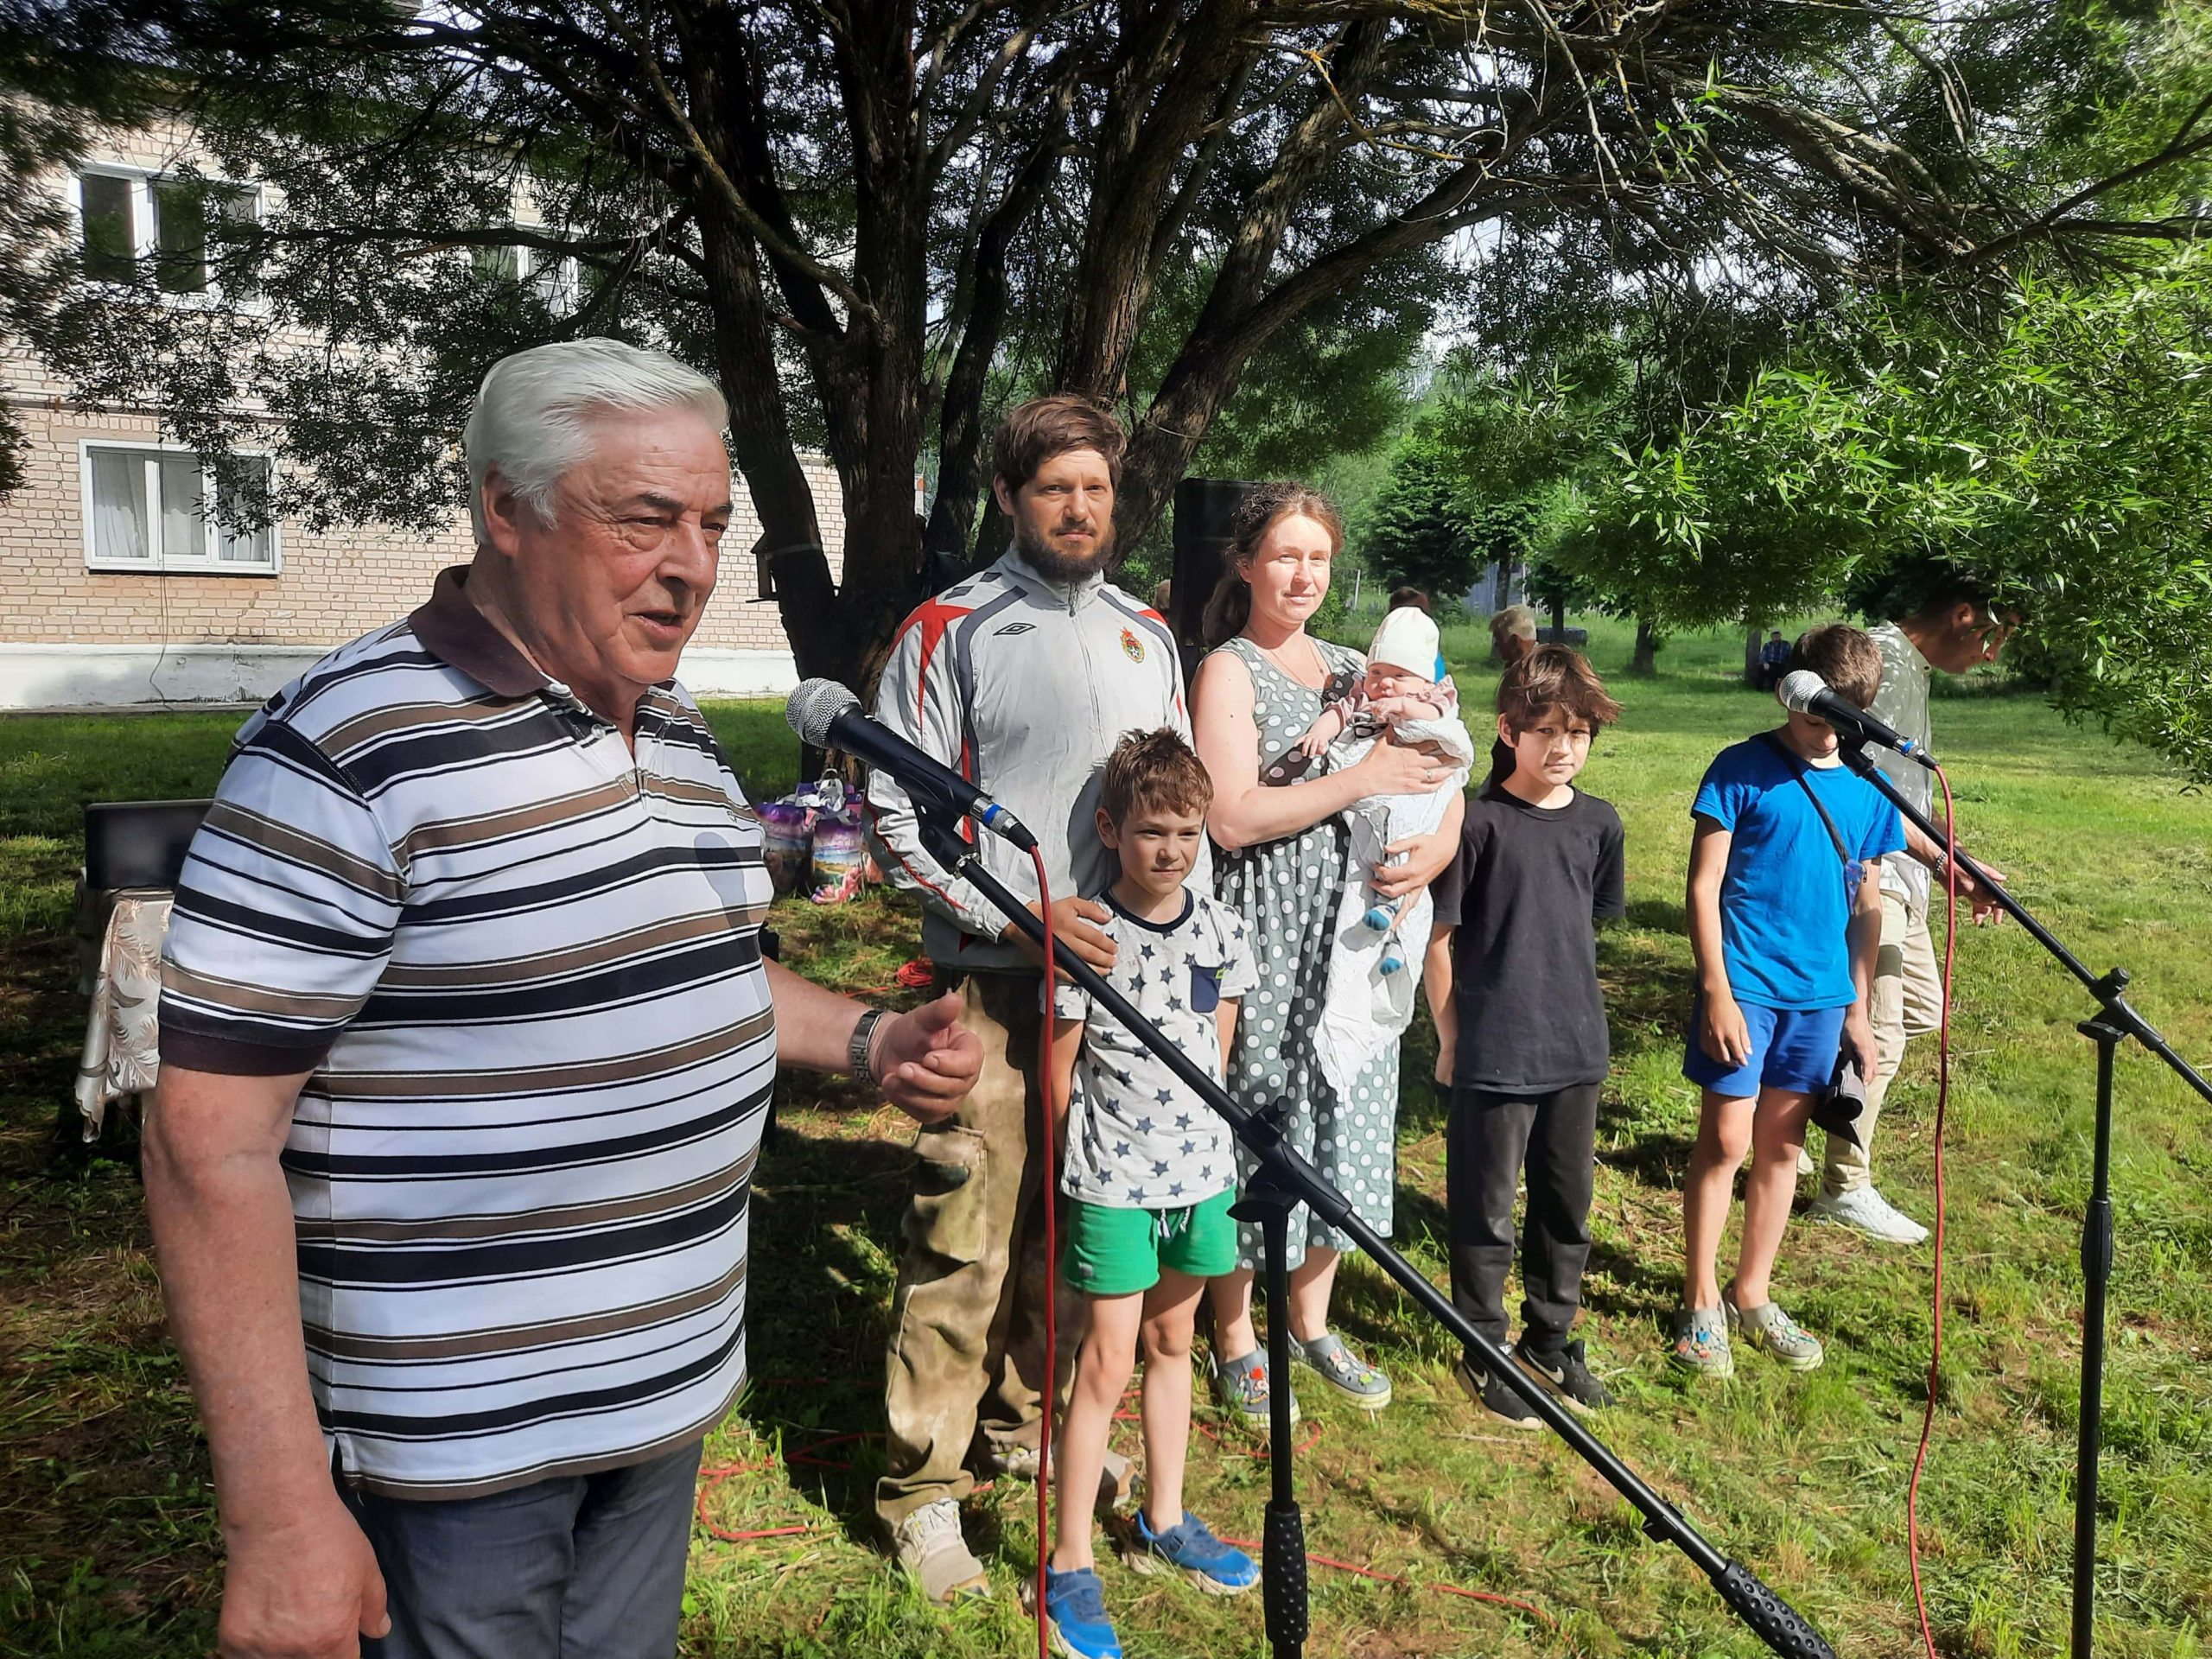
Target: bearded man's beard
x,y
1055,566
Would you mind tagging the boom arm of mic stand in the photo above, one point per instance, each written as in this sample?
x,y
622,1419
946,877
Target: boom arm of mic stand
x,y
2109,990
1776,1622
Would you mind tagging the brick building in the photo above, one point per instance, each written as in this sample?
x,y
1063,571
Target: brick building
x,y
119,583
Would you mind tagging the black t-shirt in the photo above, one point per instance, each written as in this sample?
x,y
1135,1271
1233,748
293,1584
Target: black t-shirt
x,y
1523,894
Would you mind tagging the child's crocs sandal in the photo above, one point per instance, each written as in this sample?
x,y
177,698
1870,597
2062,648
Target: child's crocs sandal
x,y
1702,1341
1343,1370
1768,1327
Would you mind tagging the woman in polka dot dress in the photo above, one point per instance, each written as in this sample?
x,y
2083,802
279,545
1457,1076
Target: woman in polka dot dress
x,y
1278,820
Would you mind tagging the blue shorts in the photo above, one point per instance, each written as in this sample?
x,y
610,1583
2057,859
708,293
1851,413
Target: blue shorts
x,y
1791,1048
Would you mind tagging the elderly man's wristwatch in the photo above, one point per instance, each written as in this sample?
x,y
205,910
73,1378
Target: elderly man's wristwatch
x,y
863,1039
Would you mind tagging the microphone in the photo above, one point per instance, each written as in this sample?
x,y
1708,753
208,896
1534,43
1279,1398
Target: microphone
x,y
1806,693
829,716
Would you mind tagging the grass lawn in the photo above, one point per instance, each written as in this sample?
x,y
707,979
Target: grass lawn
x,y
107,1543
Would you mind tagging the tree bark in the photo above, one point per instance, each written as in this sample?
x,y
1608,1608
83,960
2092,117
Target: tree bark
x,y
1645,660
1751,642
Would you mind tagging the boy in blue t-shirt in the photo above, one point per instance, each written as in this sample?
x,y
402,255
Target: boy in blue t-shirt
x,y
1784,930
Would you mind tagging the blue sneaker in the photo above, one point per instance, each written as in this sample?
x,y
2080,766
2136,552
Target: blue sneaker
x,y
1393,963
1379,917
1074,1615
1194,1551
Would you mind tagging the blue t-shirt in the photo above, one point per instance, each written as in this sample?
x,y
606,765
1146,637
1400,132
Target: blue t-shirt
x,y
1783,915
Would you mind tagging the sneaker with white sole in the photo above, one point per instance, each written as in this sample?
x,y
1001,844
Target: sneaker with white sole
x,y
1191,1548
1493,1396
1871,1213
1074,1615
930,1548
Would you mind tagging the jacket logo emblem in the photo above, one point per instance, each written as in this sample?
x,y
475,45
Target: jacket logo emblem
x,y
1015,627
1132,646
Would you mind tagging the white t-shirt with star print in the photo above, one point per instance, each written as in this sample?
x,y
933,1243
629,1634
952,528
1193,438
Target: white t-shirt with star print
x,y
1138,1138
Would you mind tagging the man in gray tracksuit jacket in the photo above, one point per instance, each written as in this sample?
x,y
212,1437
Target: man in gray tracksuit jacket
x,y
1022,677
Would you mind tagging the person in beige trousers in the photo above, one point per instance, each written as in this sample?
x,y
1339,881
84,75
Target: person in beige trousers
x,y
1954,630
1024,675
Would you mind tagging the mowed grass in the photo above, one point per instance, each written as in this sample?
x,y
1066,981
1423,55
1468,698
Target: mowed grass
x,y
106,1535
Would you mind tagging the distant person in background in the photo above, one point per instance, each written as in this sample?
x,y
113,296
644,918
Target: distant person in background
x,y
1512,635
1774,659
1954,631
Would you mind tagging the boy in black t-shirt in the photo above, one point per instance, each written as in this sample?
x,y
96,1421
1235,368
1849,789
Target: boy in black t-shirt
x,y
1524,1039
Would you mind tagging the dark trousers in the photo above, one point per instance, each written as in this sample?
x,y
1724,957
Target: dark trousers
x,y
1487,1138
580,1566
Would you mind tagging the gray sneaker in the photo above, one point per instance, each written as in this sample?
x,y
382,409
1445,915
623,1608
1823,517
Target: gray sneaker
x,y
1342,1369
930,1548
1768,1327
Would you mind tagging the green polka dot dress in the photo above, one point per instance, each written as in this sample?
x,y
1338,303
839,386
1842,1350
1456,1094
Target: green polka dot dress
x,y
1289,893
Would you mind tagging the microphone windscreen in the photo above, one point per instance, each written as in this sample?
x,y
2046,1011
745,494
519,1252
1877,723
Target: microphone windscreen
x,y
1798,690
813,706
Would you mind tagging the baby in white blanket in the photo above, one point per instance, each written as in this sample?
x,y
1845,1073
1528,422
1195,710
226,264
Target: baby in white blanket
x,y
1375,967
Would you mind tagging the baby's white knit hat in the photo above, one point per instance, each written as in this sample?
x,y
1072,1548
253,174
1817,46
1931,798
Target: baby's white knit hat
x,y
1406,639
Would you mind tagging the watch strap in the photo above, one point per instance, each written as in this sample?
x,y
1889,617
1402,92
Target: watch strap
x,y
863,1039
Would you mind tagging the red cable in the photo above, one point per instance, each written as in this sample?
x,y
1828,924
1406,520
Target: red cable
x,y
1049,1196
1942,1103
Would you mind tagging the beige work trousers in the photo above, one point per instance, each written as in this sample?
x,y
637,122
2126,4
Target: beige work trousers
x,y
967,1349
1906,1002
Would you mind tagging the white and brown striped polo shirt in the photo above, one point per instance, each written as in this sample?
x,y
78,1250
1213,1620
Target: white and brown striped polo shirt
x,y
523,965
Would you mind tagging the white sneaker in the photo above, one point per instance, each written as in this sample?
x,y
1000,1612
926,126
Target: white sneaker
x,y
1870,1212
930,1548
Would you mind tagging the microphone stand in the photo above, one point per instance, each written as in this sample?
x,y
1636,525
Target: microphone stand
x,y
2115,1021
1285,1178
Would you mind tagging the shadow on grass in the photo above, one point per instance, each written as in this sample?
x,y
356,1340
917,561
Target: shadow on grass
x,y
818,1317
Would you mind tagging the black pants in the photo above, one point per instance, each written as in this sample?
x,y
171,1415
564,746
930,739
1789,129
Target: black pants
x,y
1489,1137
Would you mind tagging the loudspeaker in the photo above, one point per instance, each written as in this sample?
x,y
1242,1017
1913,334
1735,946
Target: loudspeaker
x,y
138,843
1204,508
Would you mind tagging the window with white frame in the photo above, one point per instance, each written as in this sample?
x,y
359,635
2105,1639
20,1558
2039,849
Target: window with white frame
x,y
550,276
177,227
156,507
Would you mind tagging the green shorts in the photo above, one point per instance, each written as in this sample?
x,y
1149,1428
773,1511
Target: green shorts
x,y
1113,1252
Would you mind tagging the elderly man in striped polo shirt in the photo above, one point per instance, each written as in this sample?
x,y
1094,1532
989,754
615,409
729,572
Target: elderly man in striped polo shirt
x,y
467,958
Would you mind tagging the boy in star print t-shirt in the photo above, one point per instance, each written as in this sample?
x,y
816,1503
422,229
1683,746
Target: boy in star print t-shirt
x,y
1149,1174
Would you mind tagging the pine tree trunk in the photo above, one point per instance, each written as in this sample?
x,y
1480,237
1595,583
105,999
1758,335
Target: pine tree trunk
x,y
1645,660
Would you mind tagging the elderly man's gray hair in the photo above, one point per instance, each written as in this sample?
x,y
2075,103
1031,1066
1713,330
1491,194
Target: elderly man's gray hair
x,y
534,411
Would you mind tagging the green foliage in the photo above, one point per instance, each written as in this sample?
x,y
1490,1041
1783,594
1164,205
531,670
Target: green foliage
x,y
1419,530
2064,454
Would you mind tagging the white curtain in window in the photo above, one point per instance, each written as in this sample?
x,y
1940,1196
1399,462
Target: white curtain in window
x,y
241,546
184,524
119,505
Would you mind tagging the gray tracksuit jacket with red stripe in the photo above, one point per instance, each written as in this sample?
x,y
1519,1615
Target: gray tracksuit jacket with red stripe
x,y
1024,685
